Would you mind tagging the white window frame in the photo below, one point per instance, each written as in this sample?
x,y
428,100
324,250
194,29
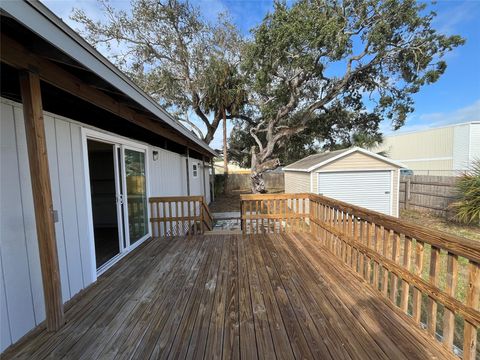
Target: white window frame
x,y
195,169
123,143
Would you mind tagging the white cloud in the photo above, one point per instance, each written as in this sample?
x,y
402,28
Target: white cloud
x,y
467,113
432,120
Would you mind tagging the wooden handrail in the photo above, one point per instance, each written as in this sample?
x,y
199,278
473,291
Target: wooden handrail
x,y
460,246
207,218
268,213
179,216
391,255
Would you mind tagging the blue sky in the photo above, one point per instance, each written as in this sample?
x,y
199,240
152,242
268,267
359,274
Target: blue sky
x,y
455,98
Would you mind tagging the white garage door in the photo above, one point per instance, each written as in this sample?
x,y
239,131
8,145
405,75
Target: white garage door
x,y
369,189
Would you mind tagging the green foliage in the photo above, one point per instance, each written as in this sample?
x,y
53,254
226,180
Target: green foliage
x,y
317,56
467,208
336,129
175,55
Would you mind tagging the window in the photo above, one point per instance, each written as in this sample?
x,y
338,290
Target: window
x,y
195,170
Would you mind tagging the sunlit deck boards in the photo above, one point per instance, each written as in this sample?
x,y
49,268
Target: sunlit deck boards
x,y
275,296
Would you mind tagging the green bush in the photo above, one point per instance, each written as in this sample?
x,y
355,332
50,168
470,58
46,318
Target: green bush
x,y
467,208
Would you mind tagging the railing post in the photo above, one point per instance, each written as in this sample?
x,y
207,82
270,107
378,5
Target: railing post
x,y
473,299
201,216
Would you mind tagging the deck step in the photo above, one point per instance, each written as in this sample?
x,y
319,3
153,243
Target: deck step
x,y
223,232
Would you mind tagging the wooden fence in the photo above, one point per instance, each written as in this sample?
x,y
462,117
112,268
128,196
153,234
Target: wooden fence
x,y
431,276
273,181
426,193
179,216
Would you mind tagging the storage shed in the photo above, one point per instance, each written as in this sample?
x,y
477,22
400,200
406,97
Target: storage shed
x,y
353,175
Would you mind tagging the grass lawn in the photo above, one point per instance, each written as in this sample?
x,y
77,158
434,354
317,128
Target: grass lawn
x,y
435,222
470,232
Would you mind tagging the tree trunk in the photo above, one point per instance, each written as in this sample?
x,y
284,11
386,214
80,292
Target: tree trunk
x,y
258,183
225,159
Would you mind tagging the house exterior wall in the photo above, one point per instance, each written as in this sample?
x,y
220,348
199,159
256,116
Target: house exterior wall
x,y
474,141
441,151
461,146
169,166
21,291
297,182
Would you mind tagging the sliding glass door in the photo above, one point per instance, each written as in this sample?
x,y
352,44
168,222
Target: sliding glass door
x,y
136,191
118,190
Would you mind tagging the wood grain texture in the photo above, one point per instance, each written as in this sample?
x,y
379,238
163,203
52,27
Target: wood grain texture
x,y
278,296
175,221
42,198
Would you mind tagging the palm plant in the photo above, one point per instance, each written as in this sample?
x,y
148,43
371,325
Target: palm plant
x,y
467,207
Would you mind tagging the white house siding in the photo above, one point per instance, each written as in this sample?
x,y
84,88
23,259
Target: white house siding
x,y
206,179
167,174
474,142
461,147
21,292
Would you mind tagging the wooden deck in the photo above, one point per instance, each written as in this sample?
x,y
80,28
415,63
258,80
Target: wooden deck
x,y
267,296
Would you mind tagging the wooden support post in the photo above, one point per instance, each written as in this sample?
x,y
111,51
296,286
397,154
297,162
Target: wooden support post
x,y
407,194
42,198
203,178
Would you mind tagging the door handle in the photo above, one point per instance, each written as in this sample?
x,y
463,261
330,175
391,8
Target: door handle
x,y
120,199
387,192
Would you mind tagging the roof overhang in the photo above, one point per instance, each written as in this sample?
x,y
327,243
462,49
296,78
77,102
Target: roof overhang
x,y
41,21
346,153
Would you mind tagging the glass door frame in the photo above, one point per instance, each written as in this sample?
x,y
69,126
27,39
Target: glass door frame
x,y
126,222
120,144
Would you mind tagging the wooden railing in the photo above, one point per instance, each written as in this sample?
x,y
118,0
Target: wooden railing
x,y
274,213
431,276
179,216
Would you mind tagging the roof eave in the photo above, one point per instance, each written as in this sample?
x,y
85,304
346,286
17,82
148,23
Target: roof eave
x,y
39,19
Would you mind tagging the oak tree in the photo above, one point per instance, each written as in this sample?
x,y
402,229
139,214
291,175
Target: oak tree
x,y
174,54
317,56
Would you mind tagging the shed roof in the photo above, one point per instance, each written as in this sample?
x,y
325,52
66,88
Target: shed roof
x,y
314,161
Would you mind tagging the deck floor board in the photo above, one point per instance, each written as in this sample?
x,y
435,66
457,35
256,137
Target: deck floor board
x,y
279,296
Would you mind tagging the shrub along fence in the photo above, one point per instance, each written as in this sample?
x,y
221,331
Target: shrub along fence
x,y
427,193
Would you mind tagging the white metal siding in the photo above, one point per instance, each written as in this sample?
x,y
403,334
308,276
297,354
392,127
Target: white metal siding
x,y
474,153
167,174
369,189
206,174
21,291
461,140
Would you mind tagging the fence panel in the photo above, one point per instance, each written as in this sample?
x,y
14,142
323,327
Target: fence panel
x,y
427,193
